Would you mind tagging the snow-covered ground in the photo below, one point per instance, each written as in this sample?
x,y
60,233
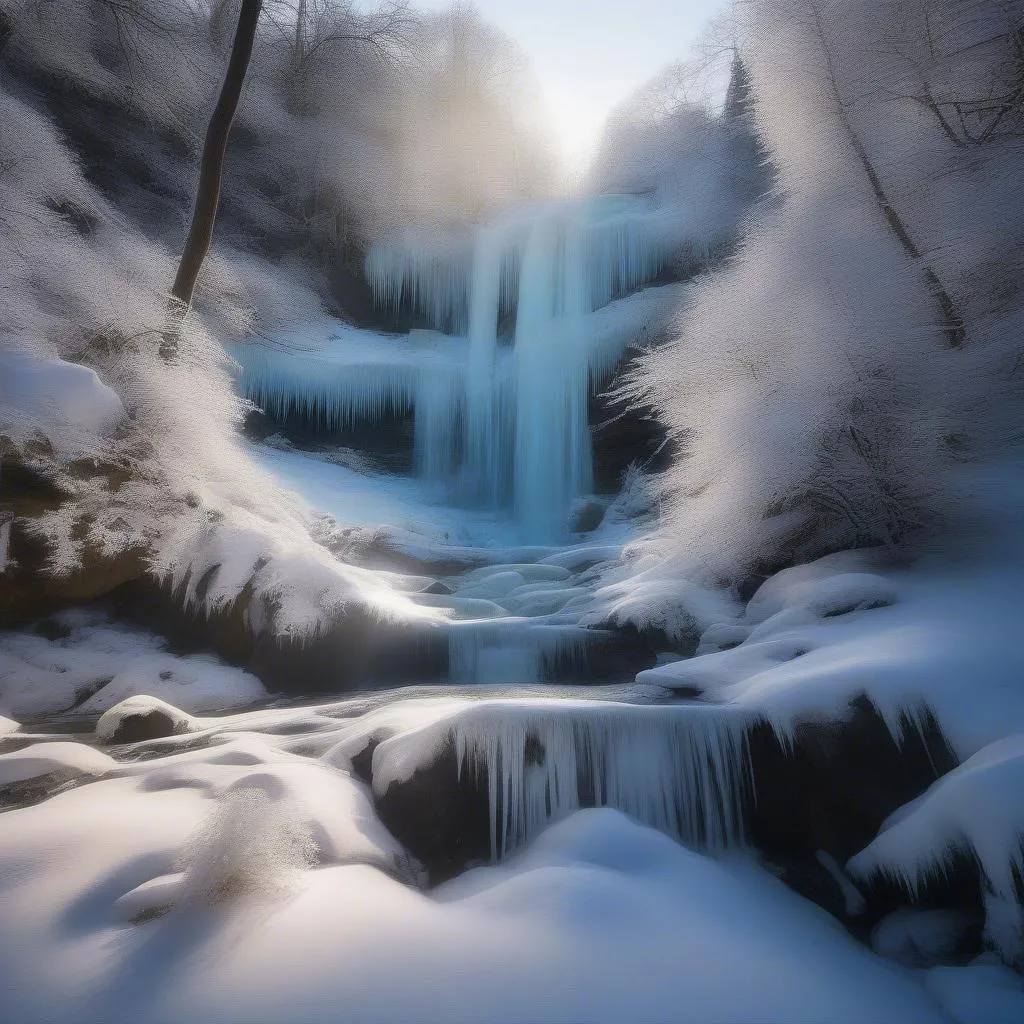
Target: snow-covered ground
x,y
239,872
371,499
244,882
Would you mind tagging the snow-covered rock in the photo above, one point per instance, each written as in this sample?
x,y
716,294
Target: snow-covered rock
x,y
142,718
977,808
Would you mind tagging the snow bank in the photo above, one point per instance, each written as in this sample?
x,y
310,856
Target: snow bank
x,y
601,921
940,636
64,402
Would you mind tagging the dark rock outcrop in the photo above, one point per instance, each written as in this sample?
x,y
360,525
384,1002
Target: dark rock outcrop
x,y
442,820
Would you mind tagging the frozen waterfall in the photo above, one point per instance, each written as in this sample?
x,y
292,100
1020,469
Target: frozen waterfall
x,y
525,437
528,316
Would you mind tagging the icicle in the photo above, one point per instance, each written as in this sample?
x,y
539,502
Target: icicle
x,y
439,412
485,467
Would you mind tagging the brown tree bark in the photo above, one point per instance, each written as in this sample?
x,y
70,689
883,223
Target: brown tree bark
x,y
211,167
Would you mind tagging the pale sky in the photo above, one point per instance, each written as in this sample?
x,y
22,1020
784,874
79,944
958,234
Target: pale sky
x,y
590,54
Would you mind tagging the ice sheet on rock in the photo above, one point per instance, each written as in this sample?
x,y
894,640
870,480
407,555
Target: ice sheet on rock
x,y
977,808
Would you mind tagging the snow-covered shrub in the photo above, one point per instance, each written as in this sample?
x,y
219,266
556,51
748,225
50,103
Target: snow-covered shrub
x,y
866,337
249,846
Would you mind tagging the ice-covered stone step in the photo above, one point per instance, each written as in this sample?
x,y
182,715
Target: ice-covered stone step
x,y
531,572
543,602
463,607
493,586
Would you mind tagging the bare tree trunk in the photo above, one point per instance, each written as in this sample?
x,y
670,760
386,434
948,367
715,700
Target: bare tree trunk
x,y
952,321
204,216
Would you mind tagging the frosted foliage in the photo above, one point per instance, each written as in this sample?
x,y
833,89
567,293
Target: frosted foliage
x,y
80,376
249,846
812,388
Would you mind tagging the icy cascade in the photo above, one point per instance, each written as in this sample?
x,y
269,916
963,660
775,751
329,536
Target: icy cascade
x,y
683,771
353,376
522,423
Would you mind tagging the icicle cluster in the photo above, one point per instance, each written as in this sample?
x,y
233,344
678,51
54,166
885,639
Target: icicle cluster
x,y
681,770
352,376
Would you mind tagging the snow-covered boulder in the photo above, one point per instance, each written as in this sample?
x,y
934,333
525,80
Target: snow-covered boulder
x,y
142,718
977,809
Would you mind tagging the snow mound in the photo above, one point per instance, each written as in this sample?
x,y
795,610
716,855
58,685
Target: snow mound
x,y
65,402
334,811
251,845
981,993
40,759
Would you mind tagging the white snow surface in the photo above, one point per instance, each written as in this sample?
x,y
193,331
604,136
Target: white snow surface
x,y
97,664
941,635
40,759
602,920
64,402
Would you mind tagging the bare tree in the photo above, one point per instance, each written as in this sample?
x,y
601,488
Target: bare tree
x,y
953,324
211,167
990,106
